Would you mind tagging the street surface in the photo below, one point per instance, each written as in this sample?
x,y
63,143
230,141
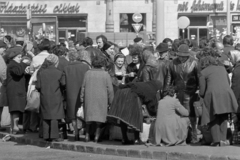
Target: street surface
x,y
13,151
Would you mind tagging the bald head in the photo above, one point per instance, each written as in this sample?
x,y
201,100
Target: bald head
x,y
219,47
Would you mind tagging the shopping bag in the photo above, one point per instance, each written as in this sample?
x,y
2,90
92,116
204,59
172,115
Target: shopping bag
x,y
33,101
5,119
80,113
145,133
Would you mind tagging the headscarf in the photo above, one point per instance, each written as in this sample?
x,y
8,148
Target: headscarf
x,y
53,59
235,55
149,59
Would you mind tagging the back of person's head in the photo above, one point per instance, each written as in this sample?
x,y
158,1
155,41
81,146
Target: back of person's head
x,y
72,54
52,46
169,91
83,55
60,50
166,40
45,45
98,62
135,49
104,39
228,40
187,42
87,42
203,43
175,45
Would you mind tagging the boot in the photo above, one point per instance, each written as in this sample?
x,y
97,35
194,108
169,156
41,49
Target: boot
x,y
97,133
87,133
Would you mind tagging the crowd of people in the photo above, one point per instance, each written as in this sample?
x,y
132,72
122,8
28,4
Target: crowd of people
x,y
177,87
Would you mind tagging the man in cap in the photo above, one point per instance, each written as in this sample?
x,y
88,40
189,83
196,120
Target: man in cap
x,y
139,41
163,74
184,76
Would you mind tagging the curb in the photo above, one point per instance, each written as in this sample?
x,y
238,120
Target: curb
x,y
118,152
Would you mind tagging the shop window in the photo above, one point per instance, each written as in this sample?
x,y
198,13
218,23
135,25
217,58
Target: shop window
x,y
13,29
126,22
72,21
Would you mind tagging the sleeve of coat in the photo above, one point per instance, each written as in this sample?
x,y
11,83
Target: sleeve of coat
x,y
235,83
202,85
110,91
145,74
38,82
83,89
3,69
180,109
18,69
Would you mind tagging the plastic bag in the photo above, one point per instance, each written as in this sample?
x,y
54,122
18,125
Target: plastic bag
x,y
5,119
80,113
33,101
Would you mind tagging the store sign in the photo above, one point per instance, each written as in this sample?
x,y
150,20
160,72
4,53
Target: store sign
x,y
10,8
235,18
201,6
66,8
38,8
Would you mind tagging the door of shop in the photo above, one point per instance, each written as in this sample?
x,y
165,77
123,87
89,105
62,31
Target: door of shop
x,y
197,33
69,34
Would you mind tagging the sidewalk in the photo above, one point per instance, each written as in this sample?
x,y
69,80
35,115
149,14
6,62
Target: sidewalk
x,y
115,148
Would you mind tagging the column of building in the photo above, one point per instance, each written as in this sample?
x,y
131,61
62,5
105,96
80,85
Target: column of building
x,y
154,15
109,16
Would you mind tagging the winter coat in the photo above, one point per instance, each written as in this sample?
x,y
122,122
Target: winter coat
x,y
235,82
216,92
49,81
184,76
3,76
97,94
63,62
74,75
16,86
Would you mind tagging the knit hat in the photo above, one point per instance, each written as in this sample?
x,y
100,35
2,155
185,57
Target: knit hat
x,y
138,39
53,59
162,47
183,50
14,54
2,44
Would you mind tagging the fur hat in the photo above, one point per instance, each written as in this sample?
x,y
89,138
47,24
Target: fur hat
x,y
183,50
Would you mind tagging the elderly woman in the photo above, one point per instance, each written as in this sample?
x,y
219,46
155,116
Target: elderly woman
x,y
16,88
74,74
218,97
49,81
96,95
171,126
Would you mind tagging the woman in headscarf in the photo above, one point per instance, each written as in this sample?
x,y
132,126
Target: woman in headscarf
x,y
49,81
16,88
149,66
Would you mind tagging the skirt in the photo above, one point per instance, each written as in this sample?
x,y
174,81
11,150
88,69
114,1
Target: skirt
x,y
127,108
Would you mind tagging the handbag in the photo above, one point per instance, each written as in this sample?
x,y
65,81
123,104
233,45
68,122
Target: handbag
x,y
33,101
198,107
80,113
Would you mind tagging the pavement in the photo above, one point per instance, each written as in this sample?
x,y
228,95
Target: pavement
x,y
115,148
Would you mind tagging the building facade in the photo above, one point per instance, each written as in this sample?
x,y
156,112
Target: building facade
x,y
66,19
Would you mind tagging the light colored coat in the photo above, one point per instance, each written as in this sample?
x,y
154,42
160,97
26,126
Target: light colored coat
x,y
171,126
96,94
3,76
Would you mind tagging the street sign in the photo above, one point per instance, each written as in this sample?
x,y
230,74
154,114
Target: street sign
x,y
209,25
137,27
137,17
183,22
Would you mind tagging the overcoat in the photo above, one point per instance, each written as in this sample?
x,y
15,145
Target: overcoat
x,y
218,96
171,126
97,94
235,82
16,86
3,76
74,74
49,82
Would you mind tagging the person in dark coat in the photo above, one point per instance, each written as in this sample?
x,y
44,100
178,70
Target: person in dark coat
x,y
16,88
74,75
184,76
49,80
134,66
61,52
218,98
